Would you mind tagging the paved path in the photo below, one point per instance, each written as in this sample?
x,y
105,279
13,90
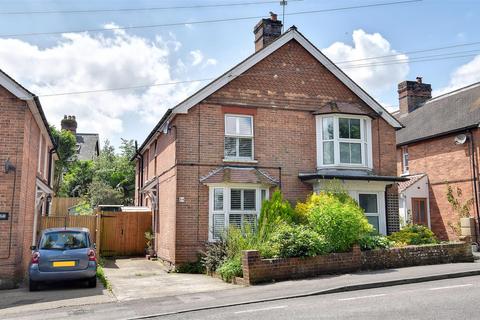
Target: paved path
x,y
137,278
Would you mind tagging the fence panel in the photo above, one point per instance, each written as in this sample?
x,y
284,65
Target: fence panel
x,y
60,205
89,222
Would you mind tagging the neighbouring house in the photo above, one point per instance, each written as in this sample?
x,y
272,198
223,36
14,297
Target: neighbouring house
x,y
88,146
27,150
285,117
438,145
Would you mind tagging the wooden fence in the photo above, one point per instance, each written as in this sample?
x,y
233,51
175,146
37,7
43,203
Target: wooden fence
x,y
115,233
60,205
89,222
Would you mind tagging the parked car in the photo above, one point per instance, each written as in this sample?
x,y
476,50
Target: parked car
x,y
63,254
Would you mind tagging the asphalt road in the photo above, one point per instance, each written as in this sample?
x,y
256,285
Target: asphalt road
x,y
445,299
457,299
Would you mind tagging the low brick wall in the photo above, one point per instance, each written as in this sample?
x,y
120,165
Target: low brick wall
x,y
417,255
258,270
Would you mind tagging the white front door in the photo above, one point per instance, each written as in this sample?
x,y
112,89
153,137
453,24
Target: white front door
x,y
373,203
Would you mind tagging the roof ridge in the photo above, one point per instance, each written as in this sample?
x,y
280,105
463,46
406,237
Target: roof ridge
x,y
444,95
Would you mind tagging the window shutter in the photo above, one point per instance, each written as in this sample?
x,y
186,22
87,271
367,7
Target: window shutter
x,y
218,225
245,147
249,200
236,199
230,147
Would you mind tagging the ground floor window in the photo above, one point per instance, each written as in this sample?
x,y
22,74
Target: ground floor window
x,y
235,206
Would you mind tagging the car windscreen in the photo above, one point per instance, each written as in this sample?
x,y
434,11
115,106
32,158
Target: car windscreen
x,y
64,240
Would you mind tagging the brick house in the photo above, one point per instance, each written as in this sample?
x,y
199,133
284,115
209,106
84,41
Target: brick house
x,y
26,155
88,145
439,144
284,117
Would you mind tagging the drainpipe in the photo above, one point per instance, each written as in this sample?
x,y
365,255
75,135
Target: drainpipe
x,y
139,156
49,177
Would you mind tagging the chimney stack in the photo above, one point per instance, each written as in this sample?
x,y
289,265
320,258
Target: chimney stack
x,y
69,123
413,94
266,31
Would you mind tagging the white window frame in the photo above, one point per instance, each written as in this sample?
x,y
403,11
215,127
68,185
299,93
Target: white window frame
x,y
40,148
226,203
380,208
405,160
365,141
238,136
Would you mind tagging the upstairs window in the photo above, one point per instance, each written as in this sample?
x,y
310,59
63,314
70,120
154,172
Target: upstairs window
x,y
343,141
405,167
238,137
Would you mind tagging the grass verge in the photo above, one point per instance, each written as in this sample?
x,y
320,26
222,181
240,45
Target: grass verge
x,y
101,274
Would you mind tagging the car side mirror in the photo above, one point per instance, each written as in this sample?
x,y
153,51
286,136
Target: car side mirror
x,y
33,247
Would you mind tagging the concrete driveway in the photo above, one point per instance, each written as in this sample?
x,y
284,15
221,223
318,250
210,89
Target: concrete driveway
x,y
138,278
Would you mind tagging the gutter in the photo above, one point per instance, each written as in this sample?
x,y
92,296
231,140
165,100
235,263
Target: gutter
x,y
154,131
475,179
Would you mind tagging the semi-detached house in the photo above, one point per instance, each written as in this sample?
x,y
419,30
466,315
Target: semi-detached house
x,y
286,117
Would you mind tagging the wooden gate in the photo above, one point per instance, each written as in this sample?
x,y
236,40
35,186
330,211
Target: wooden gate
x,y
123,233
89,222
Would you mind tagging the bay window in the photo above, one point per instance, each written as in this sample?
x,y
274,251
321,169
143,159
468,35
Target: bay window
x,y
238,137
234,206
343,141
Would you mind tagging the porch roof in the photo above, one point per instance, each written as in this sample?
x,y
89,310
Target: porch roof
x,y
347,175
239,175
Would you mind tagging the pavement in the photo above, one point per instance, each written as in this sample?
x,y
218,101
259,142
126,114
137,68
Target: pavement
x,y
169,303
138,278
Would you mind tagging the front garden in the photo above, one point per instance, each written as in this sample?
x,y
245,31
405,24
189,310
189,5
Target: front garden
x,y
327,233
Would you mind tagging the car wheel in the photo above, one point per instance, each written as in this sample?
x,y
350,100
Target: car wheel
x,y
32,285
92,283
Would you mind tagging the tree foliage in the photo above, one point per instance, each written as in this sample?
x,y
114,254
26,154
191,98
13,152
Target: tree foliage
x,y
66,152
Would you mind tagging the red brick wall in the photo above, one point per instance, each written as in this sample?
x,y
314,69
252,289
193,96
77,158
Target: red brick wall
x,y
443,161
19,141
284,135
257,270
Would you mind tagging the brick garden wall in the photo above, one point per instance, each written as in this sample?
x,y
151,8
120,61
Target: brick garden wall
x,y
257,270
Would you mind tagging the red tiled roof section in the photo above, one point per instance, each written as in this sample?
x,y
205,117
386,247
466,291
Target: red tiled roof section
x,y
402,186
238,175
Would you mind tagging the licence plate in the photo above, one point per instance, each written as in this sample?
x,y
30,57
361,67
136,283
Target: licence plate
x,y
64,264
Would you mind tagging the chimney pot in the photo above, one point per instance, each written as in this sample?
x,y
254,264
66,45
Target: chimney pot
x,y
419,79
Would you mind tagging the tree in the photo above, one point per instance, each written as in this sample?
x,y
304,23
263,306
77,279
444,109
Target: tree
x,y
77,179
66,151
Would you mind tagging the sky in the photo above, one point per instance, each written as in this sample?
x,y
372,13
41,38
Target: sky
x,y
66,61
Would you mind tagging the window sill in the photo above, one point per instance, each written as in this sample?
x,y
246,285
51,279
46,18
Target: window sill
x,y
233,160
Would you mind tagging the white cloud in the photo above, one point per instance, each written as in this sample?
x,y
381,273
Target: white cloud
x,y
211,62
463,76
197,57
374,78
82,62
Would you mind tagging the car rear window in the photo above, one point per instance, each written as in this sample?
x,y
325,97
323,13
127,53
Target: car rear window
x,y
64,240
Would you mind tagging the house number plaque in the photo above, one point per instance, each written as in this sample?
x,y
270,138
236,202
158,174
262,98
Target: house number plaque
x,y
3,215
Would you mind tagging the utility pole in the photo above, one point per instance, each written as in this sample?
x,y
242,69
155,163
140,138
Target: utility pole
x,y
283,3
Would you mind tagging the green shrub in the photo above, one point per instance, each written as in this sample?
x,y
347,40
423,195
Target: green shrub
x,y
230,269
374,241
214,255
413,235
297,241
196,267
338,218
274,211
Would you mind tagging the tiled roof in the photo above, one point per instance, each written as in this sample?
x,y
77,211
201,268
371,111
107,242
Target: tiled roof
x,y
239,175
450,112
87,144
402,186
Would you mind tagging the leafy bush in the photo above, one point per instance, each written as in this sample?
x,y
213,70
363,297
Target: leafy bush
x,y
230,269
338,218
297,241
214,255
274,211
374,241
413,235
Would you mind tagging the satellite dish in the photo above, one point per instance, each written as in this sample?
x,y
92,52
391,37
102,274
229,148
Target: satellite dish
x,y
460,139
